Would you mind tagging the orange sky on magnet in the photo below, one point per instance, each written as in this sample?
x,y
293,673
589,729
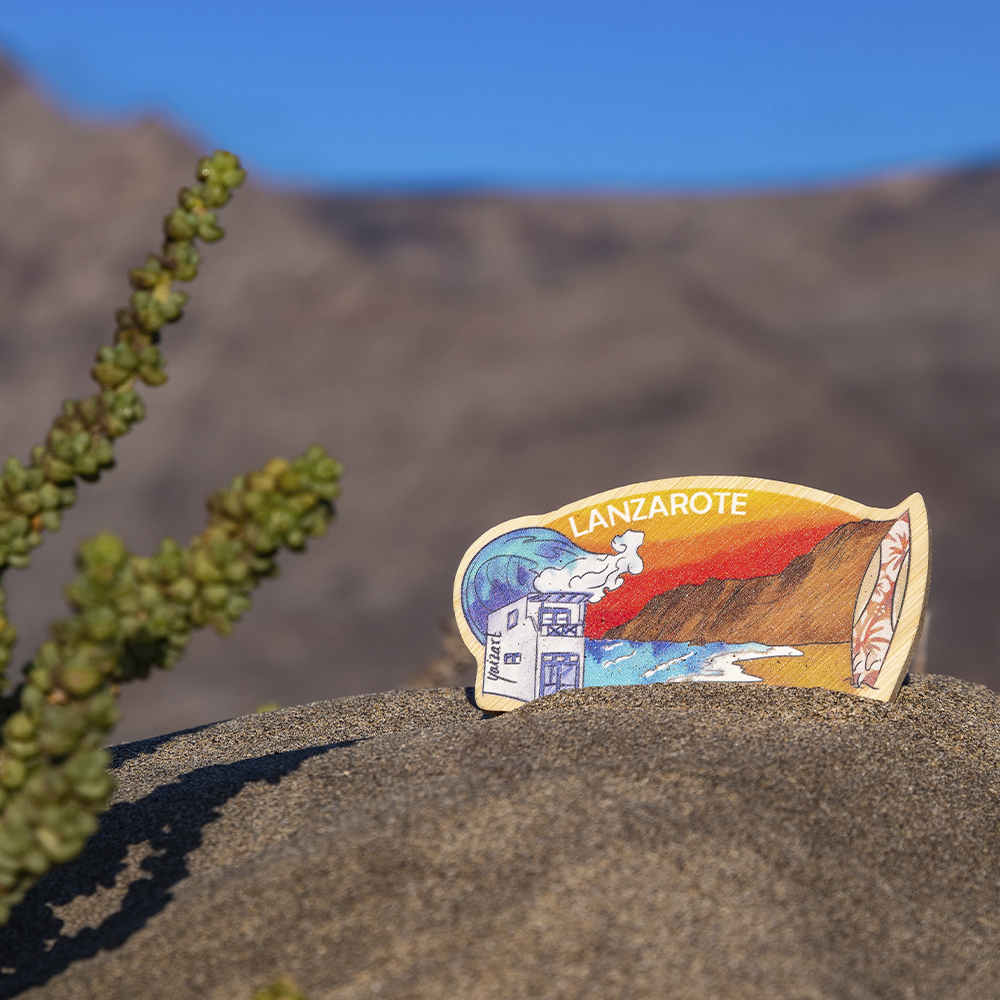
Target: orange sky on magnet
x,y
692,548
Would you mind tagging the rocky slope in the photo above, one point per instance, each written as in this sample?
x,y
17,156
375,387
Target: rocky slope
x,y
478,357
811,600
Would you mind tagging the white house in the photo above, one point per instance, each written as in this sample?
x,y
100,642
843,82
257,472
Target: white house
x,y
534,646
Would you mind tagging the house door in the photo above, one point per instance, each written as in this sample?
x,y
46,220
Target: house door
x,y
559,671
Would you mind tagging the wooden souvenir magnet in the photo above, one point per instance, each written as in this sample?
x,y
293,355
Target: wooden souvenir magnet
x,y
697,579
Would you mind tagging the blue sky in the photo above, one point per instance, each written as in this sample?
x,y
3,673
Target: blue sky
x,y
538,94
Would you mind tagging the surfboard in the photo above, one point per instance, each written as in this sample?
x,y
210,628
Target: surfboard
x,y
697,579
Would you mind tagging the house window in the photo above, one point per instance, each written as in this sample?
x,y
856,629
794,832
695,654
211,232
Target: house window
x,y
511,618
511,658
555,616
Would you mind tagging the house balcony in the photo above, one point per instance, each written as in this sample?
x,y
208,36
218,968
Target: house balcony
x,y
574,630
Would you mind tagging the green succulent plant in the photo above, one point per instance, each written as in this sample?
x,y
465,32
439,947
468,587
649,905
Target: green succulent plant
x,y
283,989
130,614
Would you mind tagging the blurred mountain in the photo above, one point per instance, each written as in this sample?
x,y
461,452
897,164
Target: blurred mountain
x,y
478,357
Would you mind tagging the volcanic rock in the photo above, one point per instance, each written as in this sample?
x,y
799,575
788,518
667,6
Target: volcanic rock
x,y
481,356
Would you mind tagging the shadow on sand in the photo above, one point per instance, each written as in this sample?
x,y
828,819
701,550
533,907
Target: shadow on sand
x,y
170,820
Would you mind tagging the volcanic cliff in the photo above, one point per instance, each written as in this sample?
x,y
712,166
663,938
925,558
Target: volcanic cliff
x,y
810,601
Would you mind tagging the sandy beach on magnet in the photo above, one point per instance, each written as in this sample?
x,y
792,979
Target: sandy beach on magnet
x,y
822,664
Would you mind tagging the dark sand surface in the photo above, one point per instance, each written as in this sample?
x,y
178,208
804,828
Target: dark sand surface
x,y
702,841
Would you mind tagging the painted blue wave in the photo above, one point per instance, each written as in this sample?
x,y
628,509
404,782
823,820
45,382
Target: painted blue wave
x,y
504,570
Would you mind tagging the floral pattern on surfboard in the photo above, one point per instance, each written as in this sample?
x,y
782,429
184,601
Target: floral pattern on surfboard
x,y
875,619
